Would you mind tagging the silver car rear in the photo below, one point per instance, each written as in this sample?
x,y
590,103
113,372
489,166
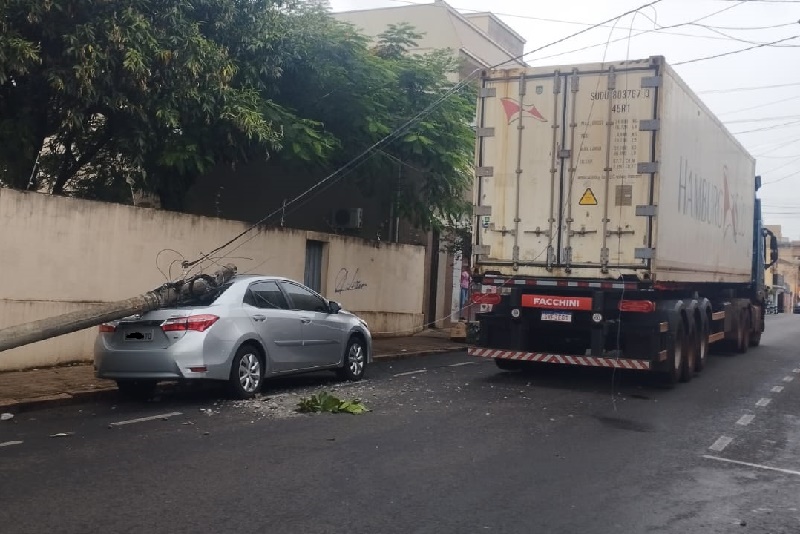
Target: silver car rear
x,y
251,328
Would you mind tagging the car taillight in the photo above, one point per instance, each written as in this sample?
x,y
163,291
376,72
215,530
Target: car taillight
x,y
107,328
195,323
637,306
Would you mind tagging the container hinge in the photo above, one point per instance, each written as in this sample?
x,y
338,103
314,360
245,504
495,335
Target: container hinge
x,y
481,211
565,153
488,92
481,250
612,79
485,132
650,125
481,172
646,211
557,82
604,257
575,81
651,82
644,253
522,86
647,167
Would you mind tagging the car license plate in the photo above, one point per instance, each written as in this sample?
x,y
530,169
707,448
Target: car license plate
x,y
558,317
139,336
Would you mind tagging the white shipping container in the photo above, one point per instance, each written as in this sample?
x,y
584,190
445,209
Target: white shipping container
x,y
605,170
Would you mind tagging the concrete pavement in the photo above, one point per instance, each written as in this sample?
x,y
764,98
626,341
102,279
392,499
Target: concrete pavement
x,y
452,445
67,384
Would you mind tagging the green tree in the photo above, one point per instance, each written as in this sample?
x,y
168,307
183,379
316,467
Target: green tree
x,y
104,96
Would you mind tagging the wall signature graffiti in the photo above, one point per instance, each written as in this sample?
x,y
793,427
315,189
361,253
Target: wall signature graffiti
x,y
345,282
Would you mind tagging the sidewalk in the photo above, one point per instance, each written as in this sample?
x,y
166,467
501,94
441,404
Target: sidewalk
x,y
76,382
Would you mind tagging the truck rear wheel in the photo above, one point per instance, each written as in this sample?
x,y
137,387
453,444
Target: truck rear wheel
x,y
743,338
703,347
675,358
691,344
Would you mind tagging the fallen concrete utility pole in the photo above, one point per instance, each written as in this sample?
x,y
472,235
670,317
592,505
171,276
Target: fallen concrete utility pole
x,y
165,296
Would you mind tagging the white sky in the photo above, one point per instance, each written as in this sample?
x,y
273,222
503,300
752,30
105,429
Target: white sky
x,y
774,112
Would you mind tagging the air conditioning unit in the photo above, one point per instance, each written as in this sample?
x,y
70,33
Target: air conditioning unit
x,y
348,218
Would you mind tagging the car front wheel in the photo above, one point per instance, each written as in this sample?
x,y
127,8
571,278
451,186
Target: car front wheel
x,y
355,361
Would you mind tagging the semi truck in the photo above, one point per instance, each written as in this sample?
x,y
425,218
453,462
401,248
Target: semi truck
x,y
616,222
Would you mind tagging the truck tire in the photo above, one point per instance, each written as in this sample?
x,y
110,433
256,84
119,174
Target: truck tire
x,y
703,347
743,338
508,365
675,360
690,345
755,339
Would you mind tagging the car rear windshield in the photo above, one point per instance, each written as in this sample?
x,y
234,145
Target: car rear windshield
x,y
209,298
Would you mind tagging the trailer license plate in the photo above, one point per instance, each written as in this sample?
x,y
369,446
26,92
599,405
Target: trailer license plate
x,y
558,317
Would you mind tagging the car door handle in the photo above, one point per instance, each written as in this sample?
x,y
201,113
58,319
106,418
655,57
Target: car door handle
x,y
259,318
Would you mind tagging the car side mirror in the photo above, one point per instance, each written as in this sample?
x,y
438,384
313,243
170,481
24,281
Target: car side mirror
x,y
334,307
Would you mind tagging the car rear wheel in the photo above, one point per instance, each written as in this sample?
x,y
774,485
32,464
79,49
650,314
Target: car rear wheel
x,y
247,372
355,361
137,389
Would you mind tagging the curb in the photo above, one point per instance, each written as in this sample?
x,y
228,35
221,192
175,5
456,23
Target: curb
x,y
87,395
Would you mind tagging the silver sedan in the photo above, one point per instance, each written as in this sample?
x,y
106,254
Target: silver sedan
x,y
250,328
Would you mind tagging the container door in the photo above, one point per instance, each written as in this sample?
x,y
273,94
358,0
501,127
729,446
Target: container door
x,y
519,170
606,203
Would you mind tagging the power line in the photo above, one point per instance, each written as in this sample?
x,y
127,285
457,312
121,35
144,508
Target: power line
x,y
764,119
654,30
752,88
765,128
715,56
363,156
762,105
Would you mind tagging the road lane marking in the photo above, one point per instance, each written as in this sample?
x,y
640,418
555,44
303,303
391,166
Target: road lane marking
x,y
721,443
748,464
745,419
763,402
408,373
777,389
462,364
788,378
10,443
145,419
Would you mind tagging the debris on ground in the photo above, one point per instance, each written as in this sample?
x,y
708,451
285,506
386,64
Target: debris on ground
x,y
325,402
62,435
6,416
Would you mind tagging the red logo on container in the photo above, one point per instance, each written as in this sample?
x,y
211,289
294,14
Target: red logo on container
x,y
515,110
550,302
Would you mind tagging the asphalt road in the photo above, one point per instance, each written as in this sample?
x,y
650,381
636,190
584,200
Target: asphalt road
x,y
452,445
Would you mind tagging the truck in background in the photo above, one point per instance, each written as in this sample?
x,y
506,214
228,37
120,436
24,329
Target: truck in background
x,y
616,222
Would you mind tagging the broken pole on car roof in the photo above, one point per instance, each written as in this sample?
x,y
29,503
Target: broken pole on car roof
x,y
169,294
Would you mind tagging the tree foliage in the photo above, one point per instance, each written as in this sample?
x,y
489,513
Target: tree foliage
x,y
101,96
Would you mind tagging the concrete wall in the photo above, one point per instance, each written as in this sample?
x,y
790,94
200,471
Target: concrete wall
x,y
59,254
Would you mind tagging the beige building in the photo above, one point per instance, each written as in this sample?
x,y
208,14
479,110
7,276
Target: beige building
x,y
784,278
480,41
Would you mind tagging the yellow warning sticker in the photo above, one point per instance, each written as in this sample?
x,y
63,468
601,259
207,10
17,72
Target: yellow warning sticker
x,y
588,198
